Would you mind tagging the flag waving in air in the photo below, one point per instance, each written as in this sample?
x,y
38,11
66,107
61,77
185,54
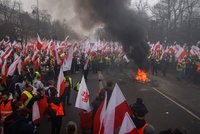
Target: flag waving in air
x,y
60,82
128,127
12,67
99,115
82,100
116,109
68,61
39,43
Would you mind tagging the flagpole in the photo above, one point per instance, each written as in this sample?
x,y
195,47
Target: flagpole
x,y
38,18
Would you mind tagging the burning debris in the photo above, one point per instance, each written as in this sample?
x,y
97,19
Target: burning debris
x,y
142,76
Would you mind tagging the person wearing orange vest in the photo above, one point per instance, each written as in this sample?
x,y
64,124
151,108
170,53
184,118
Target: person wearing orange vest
x,y
55,111
6,107
139,111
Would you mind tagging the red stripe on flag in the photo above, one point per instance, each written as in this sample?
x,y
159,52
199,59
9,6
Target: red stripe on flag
x,y
62,88
97,120
120,111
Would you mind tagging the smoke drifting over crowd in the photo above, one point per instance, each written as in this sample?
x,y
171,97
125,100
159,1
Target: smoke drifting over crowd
x,y
118,20
116,17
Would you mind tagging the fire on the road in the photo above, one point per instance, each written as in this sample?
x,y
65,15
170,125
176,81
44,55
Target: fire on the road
x,y
142,76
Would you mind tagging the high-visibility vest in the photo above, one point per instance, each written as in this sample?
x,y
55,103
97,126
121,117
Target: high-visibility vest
x,y
78,85
6,110
179,67
141,130
70,83
29,95
58,109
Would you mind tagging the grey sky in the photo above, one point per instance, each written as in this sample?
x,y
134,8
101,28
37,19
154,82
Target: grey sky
x,y
62,10
28,3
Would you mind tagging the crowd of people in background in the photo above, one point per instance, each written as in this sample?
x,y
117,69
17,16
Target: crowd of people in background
x,y
184,59
29,74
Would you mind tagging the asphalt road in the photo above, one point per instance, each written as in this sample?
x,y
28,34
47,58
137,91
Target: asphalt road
x,y
171,103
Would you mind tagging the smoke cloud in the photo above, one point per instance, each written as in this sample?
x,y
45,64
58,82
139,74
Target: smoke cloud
x,y
118,20
63,10
115,15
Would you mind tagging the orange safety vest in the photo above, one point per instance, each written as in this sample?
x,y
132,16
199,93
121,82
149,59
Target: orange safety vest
x,y
141,130
6,110
58,109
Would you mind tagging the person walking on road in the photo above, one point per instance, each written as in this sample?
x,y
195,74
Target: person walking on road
x,y
56,111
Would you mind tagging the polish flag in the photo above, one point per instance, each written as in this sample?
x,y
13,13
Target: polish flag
x,y
35,55
39,43
4,70
60,83
128,127
114,115
180,54
58,60
25,50
195,50
36,63
66,38
27,59
82,100
35,112
6,54
13,66
68,61
99,115
39,108
86,64
20,66
158,46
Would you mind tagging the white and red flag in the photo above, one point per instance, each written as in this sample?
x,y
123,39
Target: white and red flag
x,y
195,50
13,67
27,59
82,100
128,127
180,54
4,70
20,66
35,112
68,61
39,43
58,59
99,116
86,64
35,55
39,108
6,53
60,83
116,109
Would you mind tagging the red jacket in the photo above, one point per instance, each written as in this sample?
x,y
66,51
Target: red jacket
x,y
85,119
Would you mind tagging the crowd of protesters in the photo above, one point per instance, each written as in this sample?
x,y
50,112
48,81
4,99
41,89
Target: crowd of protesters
x,y
184,60
34,76
29,74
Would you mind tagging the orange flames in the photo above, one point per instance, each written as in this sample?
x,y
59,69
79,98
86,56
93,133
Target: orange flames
x,y
142,76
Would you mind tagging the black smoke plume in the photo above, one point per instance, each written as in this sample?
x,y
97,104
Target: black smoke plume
x,y
118,20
